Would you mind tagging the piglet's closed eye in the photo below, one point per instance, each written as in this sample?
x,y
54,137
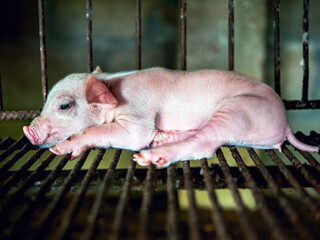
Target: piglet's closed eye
x,y
97,92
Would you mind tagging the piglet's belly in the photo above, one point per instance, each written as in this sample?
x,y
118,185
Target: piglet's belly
x,y
179,123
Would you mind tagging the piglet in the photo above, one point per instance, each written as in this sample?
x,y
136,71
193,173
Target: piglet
x,y
166,115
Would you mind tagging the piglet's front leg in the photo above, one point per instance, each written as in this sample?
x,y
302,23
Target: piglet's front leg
x,y
114,134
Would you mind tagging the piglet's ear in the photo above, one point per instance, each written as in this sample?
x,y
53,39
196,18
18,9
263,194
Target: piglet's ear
x,y
97,70
97,92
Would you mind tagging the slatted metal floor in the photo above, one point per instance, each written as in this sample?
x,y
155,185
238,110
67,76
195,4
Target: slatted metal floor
x,y
41,199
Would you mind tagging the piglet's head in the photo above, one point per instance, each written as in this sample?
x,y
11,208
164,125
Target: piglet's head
x,y
75,103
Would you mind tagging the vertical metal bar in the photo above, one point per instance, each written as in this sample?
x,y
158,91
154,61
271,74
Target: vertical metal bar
x,y
53,208
231,35
120,210
276,35
71,211
283,201
216,213
94,214
1,102
193,213
183,34
143,232
89,35
138,34
266,213
43,50
172,216
295,184
247,228
305,47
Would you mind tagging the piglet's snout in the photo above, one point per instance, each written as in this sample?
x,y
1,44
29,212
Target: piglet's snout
x,y
38,131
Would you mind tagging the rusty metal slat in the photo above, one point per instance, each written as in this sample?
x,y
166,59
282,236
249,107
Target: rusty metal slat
x,y
172,216
276,35
313,162
194,230
89,35
18,115
138,34
71,211
183,34
301,169
283,201
36,199
53,208
120,210
29,181
5,167
231,35
43,50
8,183
216,213
295,184
23,140
247,228
4,144
266,213
94,214
146,204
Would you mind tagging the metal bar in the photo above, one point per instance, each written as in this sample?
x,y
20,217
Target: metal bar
x,y
145,206
266,213
18,115
43,50
172,215
216,213
124,197
23,140
194,230
231,35
22,219
53,208
5,167
8,183
89,35
138,34
1,100
14,197
6,143
94,214
276,33
313,162
298,104
247,228
77,200
283,201
301,169
183,34
305,47
295,184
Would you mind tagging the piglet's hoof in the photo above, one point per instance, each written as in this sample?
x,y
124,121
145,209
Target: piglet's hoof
x,y
145,158
140,159
55,150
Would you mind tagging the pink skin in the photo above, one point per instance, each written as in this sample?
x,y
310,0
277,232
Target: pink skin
x,y
180,115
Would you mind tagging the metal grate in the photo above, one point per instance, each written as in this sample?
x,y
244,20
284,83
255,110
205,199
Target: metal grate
x,y
143,203
42,200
